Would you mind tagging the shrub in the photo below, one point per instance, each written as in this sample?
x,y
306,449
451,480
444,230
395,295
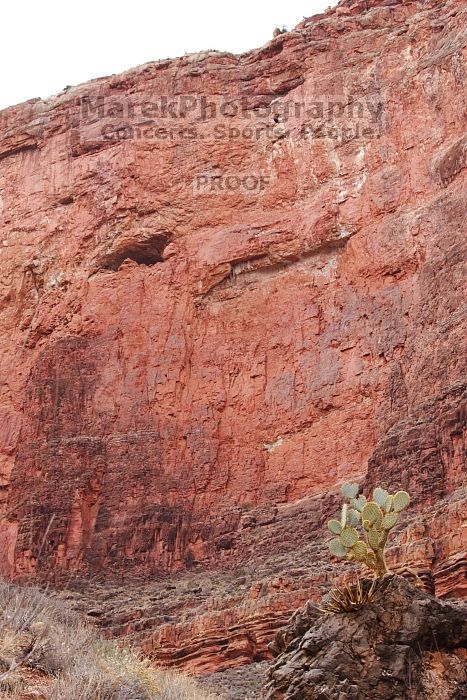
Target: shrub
x,y
42,633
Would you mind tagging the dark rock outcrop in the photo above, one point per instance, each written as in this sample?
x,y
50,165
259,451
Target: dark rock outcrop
x,y
407,644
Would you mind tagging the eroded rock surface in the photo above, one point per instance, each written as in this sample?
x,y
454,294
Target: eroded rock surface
x,y
406,644
189,373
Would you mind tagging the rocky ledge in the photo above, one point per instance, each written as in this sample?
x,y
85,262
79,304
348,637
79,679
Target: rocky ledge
x,y
406,644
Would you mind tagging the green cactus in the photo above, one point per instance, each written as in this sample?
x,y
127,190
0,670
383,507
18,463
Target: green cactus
x,y
358,503
353,517
335,527
373,513
337,549
400,501
374,518
348,537
388,504
375,538
360,550
350,490
389,520
380,496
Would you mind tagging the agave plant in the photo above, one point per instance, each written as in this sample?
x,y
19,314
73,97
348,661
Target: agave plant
x,y
351,597
364,526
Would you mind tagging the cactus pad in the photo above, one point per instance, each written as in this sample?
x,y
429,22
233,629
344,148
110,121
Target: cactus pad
x,y
336,548
380,496
388,504
373,513
389,520
348,537
400,501
359,550
344,515
335,527
350,490
358,503
375,538
353,517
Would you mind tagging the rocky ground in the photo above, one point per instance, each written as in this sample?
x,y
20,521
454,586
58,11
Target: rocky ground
x,y
242,683
205,620
404,645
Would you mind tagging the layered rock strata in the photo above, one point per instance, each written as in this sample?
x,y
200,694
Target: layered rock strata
x,y
228,284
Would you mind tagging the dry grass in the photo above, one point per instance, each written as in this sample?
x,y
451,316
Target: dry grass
x,y
47,651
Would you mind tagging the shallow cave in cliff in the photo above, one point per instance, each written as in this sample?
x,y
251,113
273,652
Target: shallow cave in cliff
x,y
148,251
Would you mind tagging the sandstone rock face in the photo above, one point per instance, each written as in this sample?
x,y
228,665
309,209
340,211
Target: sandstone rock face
x,y
406,644
228,284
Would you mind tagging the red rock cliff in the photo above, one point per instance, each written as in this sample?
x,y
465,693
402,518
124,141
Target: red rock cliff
x,y
184,357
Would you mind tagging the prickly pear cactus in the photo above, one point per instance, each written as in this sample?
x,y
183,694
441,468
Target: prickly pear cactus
x,y
373,513
362,530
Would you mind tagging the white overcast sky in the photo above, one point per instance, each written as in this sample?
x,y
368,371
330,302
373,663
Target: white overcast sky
x,y
48,44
